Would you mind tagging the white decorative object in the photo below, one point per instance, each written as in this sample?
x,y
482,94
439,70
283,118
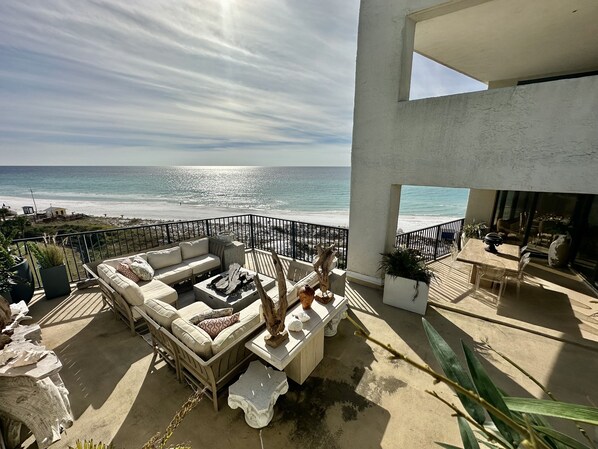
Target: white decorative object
x,y
295,325
303,317
406,294
332,327
558,251
256,392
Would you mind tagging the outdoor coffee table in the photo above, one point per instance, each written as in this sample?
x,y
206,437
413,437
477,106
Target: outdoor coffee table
x,y
302,352
238,300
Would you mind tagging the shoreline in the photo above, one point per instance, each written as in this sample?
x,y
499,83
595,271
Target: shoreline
x,y
172,212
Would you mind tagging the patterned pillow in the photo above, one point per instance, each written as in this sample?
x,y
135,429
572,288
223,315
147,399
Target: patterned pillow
x,y
124,268
214,326
142,269
218,313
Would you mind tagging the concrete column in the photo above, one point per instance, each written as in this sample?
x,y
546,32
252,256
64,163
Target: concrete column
x,y
480,206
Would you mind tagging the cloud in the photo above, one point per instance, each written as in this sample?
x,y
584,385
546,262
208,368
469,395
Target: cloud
x,y
188,82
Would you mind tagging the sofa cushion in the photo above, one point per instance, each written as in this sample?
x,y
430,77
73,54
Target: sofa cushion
x,y
193,309
104,271
216,313
158,290
174,273
142,268
193,337
115,261
126,288
213,326
195,248
164,258
203,264
162,313
249,318
124,268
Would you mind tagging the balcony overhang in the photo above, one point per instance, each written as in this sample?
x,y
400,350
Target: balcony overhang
x,y
501,40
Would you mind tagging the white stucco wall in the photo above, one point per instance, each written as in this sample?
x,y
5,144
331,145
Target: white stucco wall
x,y
480,205
540,137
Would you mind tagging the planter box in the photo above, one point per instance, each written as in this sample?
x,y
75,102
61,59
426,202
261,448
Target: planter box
x,y
406,294
55,281
23,291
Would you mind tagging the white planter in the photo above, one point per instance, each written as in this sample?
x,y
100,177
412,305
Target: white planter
x,y
406,294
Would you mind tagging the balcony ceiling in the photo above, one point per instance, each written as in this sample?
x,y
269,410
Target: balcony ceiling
x,y
512,39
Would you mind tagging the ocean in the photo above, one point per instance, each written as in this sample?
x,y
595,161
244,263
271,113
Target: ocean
x,y
312,194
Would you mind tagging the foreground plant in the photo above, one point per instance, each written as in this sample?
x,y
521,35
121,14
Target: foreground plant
x,y
48,254
515,422
157,441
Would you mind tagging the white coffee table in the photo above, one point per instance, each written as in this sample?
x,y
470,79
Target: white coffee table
x,y
302,352
238,300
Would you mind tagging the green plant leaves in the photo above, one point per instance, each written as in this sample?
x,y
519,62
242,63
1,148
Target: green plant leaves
x,y
561,438
467,436
556,409
488,391
454,370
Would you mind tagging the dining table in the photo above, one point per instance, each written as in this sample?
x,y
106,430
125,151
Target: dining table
x,y
474,252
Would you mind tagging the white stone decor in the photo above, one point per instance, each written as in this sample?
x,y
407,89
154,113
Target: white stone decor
x,y
256,392
332,327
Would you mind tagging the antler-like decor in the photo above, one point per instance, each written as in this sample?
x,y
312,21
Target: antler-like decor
x,y
322,267
274,314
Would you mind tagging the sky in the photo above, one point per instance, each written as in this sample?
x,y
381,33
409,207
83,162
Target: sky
x,y
186,82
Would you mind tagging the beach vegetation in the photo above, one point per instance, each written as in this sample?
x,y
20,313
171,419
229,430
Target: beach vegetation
x,y
406,263
488,417
47,254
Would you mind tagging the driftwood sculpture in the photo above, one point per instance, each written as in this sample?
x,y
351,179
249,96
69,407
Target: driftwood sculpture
x,y
322,267
274,313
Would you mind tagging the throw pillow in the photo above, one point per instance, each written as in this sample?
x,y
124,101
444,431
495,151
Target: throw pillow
x,y
214,326
217,313
142,269
124,268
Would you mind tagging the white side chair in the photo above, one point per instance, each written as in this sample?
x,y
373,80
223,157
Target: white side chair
x,y
495,275
454,253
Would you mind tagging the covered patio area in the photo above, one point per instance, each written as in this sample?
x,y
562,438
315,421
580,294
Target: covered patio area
x,y
357,397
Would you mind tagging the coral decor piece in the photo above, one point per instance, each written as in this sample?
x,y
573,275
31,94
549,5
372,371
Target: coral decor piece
x,y
306,296
322,267
274,314
295,325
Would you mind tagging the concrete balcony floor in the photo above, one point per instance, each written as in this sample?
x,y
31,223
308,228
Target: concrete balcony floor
x,y
357,397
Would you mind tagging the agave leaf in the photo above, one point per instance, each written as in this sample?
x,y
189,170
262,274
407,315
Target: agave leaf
x,y
491,394
467,436
447,446
559,437
454,370
573,412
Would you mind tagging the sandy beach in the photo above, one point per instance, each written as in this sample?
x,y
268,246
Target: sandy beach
x,y
173,211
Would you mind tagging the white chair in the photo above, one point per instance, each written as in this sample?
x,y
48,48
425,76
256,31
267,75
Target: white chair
x,y
454,250
494,274
520,276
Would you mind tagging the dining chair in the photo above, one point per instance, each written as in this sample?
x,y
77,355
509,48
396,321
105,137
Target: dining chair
x,y
494,274
520,275
454,250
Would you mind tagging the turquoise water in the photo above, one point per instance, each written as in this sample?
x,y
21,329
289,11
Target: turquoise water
x,y
293,189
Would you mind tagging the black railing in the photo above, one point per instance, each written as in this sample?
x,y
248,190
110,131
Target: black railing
x,y
287,237
433,242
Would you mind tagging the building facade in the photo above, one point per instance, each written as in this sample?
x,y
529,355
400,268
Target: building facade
x,y
534,130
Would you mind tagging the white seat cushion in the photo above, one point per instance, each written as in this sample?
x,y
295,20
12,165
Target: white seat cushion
x,y
162,313
174,273
193,337
155,289
114,262
194,309
128,289
249,317
195,248
164,258
203,264
105,270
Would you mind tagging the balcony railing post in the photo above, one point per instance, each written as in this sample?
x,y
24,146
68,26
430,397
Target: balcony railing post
x,y
168,233
251,231
208,231
436,242
294,239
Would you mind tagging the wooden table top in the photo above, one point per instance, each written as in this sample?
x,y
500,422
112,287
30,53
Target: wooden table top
x,y
474,252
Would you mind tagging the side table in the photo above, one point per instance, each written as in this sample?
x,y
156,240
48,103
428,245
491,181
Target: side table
x,y
256,392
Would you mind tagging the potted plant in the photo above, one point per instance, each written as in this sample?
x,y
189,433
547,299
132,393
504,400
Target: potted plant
x,y
50,261
473,231
406,279
16,279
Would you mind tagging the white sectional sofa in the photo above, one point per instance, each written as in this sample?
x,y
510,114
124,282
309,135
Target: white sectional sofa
x,y
212,363
172,265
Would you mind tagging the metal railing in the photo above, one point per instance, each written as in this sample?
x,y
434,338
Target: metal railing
x,y
434,241
289,238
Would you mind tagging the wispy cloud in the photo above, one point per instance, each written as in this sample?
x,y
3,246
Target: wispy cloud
x,y
266,82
